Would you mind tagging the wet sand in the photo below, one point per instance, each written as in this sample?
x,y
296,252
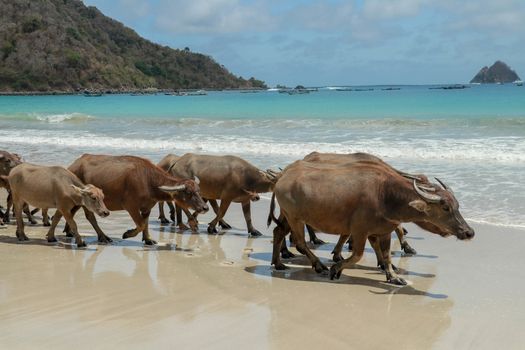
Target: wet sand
x,y
219,291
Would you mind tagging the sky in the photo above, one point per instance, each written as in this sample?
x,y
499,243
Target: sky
x,y
337,42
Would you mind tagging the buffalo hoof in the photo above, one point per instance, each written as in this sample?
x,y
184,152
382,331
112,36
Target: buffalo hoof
x,y
172,217
398,281
127,234
52,239
225,225
33,222
164,221
317,241
255,233
335,271
212,230
337,257
149,242
46,223
280,266
6,219
408,249
69,234
183,227
104,239
287,254
319,267
81,244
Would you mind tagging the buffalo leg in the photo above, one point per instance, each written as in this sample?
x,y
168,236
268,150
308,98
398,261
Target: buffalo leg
x,y
90,216
391,275
225,203
45,217
338,248
223,224
297,228
401,232
172,210
139,222
20,234
192,219
313,237
54,222
67,229
279,234
359,248
162,217
145,232
246,209
9,207
68,215
28,214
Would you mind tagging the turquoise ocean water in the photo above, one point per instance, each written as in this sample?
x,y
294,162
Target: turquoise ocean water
x,y
473,139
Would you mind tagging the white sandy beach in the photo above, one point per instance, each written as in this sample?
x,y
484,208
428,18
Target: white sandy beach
x,y
219,291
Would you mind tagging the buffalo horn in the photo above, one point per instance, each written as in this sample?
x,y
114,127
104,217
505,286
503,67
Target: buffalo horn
x,y
433,198
444,186
409,176
172,188
197,180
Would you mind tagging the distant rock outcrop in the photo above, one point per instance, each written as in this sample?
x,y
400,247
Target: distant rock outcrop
x,y
499,72
63,45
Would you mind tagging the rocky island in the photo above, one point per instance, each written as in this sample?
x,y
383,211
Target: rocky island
x,y
499,72
65,46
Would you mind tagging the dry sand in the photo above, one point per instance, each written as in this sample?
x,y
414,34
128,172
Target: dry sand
x,y
219,291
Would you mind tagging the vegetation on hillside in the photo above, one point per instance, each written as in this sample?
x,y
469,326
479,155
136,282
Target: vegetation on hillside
x,y
64,45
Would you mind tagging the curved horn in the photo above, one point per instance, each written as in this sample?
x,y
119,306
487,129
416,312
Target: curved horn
x,y
443,184
433,198
172,188
197,180
409,176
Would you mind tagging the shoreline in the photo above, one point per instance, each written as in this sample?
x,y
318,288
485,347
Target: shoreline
x,y
460,294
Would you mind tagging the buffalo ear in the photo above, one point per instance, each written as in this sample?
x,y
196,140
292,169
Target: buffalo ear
x,y
419,205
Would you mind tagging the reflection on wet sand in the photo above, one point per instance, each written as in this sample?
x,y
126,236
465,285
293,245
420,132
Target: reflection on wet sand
x,y
200,290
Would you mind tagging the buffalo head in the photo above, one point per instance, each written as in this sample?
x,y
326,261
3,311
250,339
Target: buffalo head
x,y
92,199
187,194
440,211
8,161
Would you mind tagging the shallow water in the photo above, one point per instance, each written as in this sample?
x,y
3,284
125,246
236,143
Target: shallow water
x,y
473,139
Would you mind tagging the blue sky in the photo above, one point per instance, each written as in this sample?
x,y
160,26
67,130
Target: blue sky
x,y
336,42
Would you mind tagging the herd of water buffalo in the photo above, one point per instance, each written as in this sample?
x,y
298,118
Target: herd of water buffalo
x,y
357,196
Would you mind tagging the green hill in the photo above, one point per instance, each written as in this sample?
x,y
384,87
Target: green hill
x,y
64,45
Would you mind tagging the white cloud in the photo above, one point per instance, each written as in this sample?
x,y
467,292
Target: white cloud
x,y
211,16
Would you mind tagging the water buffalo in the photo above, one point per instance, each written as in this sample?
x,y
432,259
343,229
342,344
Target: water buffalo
x,y
367,200
134,184
348,160
52,187
228,178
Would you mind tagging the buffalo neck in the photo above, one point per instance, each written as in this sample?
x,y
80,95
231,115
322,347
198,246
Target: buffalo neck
x,y
398,193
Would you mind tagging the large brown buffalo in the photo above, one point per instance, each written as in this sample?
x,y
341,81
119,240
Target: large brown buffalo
x,y
135,184
348,160
228,178
52,187
367,200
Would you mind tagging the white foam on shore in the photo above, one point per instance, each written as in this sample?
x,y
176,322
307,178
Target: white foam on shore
x,y
497,150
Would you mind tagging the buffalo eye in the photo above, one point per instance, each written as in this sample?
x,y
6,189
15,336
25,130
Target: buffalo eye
x,y
446,208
